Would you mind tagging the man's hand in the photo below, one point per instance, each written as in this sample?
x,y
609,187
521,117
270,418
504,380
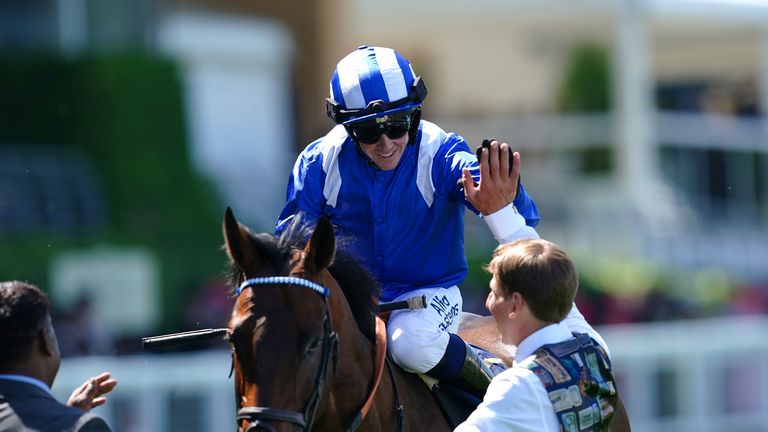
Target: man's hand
x,y
498,184
88,395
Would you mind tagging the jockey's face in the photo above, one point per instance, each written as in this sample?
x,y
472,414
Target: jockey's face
x,y
386,152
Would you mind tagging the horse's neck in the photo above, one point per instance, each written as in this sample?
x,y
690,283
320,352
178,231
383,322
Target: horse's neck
x,y
352,382
352,374
481,331
397,390
354,379
419,409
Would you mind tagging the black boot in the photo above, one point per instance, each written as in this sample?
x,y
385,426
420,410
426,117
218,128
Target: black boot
x,y
462,367
474,376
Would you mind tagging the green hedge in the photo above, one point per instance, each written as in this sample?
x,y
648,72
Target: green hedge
x,y
586,88
126,113
587,81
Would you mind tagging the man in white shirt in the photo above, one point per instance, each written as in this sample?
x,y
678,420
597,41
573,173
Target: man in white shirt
x,y
561,378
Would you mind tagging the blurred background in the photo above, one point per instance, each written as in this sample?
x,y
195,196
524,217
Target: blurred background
x,y
128,126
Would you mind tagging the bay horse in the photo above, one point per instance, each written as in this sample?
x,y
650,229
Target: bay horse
x,y
304,335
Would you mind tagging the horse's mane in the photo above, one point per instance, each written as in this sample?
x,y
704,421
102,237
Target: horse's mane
x,y
360,288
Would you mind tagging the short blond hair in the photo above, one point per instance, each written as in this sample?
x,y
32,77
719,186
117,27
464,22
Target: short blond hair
x,y
541,272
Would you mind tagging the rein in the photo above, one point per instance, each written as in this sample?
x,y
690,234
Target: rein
x,y
257,416
380,358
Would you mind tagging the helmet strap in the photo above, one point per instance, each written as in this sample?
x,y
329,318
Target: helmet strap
x,y
357,146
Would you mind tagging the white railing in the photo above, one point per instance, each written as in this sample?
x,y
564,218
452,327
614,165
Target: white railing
x,y
706,375
680,228
565,131
160,393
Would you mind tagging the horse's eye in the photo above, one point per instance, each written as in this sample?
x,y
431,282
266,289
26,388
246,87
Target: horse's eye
x,y
234,339
232,343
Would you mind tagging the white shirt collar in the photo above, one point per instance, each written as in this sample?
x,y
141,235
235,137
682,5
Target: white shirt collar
x,y
28,380
552,333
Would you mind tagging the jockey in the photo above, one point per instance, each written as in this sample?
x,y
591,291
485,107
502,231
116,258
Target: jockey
x,y
562,377
391,183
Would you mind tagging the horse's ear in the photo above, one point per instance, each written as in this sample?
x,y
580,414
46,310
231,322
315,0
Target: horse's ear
x,y
321,247
237,240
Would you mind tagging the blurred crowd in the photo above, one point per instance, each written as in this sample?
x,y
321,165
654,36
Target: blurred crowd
x,y
602,306
80,335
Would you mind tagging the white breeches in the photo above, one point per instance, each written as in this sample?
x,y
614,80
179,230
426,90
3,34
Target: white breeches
x,y
418,338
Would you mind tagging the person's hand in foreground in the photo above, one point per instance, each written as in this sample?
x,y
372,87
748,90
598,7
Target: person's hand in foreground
x,y
89,394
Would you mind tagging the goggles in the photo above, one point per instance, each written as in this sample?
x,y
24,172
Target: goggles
x,y
395,125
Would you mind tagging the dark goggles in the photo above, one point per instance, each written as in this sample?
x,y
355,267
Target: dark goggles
x,y
395,125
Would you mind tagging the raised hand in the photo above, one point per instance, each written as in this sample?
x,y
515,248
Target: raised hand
x,y
88,395
498,184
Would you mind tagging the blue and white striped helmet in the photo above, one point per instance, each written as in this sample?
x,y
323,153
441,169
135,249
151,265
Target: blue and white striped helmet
x,y
372,82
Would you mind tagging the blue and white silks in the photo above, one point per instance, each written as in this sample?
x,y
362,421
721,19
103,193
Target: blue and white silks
x,y
403,224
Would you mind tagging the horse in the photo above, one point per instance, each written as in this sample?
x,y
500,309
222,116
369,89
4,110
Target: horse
x,y
307,345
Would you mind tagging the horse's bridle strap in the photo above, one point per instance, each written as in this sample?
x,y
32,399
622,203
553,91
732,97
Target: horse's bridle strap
x,y
266,413
261,413
381,355
257,414
283,280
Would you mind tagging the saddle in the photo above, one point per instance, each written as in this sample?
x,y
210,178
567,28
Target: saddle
x,y
481,333
483,336
455,403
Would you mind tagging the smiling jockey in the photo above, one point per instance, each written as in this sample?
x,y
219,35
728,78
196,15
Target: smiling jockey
x,y
392,184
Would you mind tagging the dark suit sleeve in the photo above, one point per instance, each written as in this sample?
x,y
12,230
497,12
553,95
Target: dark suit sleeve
x,y
91,423
9,421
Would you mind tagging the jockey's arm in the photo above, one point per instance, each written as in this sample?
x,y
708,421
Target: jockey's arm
x,y
495,197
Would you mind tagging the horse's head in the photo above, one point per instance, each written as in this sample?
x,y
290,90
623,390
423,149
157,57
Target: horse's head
x,y
280,326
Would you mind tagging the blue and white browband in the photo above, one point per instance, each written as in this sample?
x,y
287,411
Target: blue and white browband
x,y
284,280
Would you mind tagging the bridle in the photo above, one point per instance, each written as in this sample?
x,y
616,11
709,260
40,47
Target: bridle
x,y
258,417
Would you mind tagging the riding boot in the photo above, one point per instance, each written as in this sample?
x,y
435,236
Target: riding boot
x,y
475,376
462,367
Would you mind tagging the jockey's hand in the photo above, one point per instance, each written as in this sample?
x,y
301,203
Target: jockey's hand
x,y
498,184
89,394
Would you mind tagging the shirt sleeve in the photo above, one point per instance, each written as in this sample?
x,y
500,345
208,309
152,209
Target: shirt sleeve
x,y
508,225
305,190
578,324
515,401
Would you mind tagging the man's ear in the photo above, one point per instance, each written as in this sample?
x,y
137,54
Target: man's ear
x,y
46,340
516,303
